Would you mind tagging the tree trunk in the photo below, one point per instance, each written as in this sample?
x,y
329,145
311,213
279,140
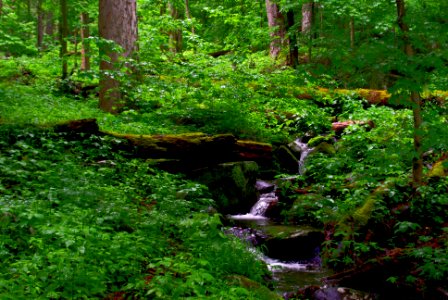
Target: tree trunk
x,y
85,48
28,10
276,22
188,14
40,25
63,34
417,162
293,57
307,24
49,25
117,22
352,32
1,7
175,42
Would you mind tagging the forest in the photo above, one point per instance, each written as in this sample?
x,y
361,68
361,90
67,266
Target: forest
x,y
181,149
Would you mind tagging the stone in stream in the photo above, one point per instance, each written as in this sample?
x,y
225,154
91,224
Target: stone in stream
x,y
292,243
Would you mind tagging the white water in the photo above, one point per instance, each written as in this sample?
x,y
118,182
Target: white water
x,y
304,150
258,211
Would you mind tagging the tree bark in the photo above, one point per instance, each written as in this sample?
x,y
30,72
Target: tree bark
x,y
49,25
188,14
417,162
63,34
293,57
307,24
276,22
40,25
118,23
175,42
352,32
85,48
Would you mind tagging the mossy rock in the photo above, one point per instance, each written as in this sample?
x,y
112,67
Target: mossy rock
x,y
257,290
320,139
286,159
440,169
232,185
292,243
325,148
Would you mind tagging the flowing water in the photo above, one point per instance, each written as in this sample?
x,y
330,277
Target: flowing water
x,y
304,151
288,275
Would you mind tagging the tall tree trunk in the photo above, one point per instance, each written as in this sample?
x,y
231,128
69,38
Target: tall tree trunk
x,y
49,23
63,34
40,25
1,8
175,42
417,162
307,25
28,10
188,14
117,22
352,32
85,48
293,57
276,22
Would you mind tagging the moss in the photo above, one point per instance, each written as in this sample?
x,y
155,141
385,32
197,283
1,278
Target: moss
x,y
440,169
325,148
362,214
257,290
319,139
239,178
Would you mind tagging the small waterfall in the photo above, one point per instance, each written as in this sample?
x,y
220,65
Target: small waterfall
x,y
304,151
263,204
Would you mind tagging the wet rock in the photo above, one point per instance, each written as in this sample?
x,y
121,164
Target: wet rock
x,y
292,243
264,186
286,159
341,293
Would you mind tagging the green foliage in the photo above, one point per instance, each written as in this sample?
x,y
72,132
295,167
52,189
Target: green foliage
x,y
78,221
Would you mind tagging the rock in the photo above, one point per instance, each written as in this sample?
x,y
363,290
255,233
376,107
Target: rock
x,y
341,293
325,148
286,159
264,186
257,290
320,139
292,243
440,169
89,126
231,184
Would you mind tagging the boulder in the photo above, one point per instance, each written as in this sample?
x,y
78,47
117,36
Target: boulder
x,y
292,243
286,160
232,185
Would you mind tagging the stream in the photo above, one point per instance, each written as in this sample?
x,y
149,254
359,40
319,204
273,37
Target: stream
x,y
289,272
291,252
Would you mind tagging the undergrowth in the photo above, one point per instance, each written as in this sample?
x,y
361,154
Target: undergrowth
x,y
79,221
